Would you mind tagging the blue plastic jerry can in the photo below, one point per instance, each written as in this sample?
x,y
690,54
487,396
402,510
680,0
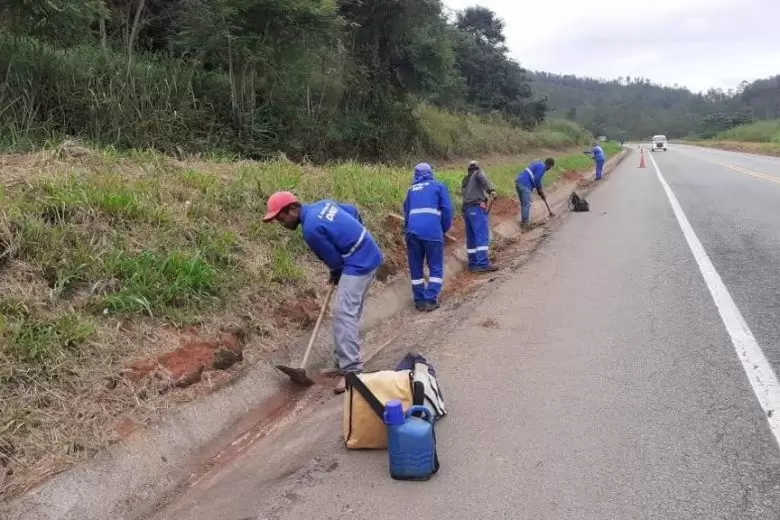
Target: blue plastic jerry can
x,y
411,444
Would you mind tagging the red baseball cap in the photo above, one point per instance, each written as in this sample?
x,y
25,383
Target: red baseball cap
x,y
276,203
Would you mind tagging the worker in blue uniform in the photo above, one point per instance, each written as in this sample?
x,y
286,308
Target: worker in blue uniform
x,y
478,196
427,217
335,233
529,180
598,156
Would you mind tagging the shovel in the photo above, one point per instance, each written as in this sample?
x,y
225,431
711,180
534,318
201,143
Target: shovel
x,y
548,208
298,375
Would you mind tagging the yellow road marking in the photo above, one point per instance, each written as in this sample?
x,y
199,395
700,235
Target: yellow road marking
x,y
752,173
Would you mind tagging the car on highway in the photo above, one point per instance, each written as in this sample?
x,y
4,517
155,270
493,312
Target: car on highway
x,y
659,143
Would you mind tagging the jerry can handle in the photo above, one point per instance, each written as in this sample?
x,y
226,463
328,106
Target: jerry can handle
x,y
427,415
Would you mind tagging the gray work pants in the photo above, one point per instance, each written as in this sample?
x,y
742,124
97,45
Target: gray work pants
x,y
347,311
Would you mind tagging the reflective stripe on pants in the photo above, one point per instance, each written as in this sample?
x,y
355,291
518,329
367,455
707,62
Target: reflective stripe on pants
x,y
420,252
477,236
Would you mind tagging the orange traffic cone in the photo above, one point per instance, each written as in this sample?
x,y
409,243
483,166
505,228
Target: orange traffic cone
x,y
642,158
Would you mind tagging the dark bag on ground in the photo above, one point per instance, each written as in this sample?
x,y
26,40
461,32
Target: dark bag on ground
x,y
577,203
425,386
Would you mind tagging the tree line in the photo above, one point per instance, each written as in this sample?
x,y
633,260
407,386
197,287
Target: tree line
x,y
320,79
638,108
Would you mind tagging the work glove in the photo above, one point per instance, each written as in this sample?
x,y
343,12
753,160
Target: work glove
x,y
335,277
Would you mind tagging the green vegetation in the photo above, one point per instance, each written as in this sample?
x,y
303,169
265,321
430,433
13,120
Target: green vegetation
x,y
762,137
758,132
315,79
450,136
636,108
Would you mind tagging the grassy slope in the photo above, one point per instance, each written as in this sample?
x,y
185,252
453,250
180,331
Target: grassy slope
x,y
104,258
762,137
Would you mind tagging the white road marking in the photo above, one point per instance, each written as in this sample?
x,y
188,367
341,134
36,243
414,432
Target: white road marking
x,y
758,370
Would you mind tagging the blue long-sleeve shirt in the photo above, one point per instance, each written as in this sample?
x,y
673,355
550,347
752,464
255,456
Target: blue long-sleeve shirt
x,y
532,176
427,207
335,234
598,154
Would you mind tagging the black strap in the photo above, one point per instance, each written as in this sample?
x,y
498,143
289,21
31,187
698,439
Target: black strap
x,y
435,453
354,382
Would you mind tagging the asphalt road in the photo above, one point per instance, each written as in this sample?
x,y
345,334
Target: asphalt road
x,y
609,384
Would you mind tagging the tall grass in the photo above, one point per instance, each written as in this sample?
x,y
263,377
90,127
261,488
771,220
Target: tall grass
x,y
467,135
758,132
163,104
168,105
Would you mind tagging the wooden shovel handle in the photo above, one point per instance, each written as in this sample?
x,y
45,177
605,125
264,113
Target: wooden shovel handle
x,y
317,325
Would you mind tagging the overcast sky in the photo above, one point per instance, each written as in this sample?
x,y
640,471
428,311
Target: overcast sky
x,y
695,43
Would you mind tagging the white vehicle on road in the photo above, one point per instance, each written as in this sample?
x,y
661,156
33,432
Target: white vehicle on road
x,y
659,143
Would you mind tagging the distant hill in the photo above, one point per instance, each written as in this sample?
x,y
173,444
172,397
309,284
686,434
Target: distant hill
x,y
637,108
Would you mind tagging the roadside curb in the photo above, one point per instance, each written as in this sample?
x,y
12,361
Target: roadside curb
x,y
129,480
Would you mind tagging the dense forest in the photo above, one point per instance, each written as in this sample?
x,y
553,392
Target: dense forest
x,y
311,78
637,108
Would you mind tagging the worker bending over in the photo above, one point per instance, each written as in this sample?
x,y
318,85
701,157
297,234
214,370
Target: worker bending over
x,y
478,195
427,217
335,233
598,156
529,180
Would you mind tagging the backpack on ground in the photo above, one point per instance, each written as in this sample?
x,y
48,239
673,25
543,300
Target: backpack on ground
x,y
425,387
577,203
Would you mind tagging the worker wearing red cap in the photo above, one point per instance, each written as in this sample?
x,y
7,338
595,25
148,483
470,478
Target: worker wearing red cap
x,y
336,234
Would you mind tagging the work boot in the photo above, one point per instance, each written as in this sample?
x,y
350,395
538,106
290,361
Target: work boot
x,y
486,269
341,386
431,306
421,306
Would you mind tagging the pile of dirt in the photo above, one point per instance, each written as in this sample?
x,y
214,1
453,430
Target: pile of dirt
x,y
185,366
301,312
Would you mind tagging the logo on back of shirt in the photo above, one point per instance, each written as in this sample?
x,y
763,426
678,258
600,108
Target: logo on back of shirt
x,y
419,187
329,212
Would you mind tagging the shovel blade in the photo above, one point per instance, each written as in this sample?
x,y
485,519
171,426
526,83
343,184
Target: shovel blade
x,y
296,375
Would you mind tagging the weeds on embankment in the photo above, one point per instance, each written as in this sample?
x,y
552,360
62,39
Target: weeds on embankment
x,y
176,106
758,132
105,258
761,137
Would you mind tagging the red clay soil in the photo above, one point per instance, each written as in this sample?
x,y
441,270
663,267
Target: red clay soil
x,y
395,255
124,428
185,365
301,312
504,207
